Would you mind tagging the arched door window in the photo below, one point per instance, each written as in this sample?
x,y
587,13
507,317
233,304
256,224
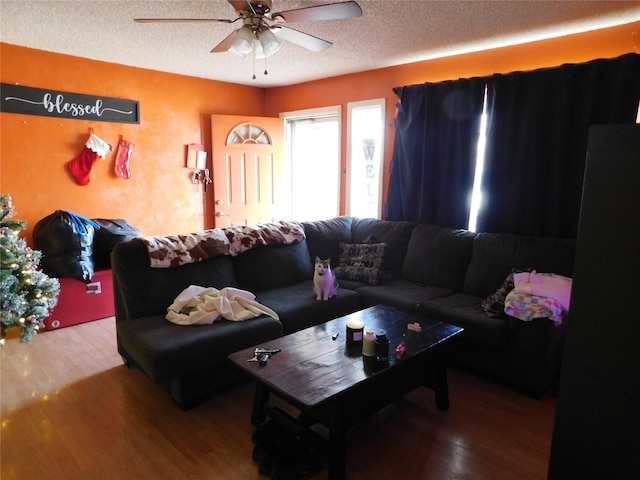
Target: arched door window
x,y
249,133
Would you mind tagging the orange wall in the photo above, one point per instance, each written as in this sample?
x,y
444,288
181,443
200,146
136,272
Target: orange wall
x,y
159,198
175,110
605,43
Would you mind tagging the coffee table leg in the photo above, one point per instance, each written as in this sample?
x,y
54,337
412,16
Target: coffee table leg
x,y
337,446
441,386
260,399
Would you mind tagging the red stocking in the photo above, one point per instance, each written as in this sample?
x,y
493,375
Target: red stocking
x,y
80,167
123,155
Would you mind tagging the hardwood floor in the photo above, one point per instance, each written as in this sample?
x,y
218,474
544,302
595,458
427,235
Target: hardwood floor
x,y
71,410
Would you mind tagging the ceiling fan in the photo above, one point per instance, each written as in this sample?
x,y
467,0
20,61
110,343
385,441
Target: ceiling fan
x,y
261,28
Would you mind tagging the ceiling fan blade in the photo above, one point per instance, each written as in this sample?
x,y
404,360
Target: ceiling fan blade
x,y
182,20
239,4
224,45
305,40
333,11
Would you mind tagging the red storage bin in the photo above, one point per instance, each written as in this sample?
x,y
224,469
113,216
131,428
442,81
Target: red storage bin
x,y
80,302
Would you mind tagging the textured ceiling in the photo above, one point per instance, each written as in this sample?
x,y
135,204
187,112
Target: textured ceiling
x,y
390,32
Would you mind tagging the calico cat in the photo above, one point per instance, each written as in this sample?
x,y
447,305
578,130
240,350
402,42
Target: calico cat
x,y
325,284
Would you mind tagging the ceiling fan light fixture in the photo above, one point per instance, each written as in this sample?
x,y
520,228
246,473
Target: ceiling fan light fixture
x,y
258,52
269,42
242,43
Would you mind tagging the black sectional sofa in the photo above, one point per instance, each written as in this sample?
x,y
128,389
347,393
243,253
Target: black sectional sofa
x,y
437,272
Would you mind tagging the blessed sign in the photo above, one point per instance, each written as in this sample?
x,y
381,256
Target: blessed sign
x,y
52,103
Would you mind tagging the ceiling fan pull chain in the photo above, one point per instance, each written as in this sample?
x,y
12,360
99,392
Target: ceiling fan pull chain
x,y
265,66
253,54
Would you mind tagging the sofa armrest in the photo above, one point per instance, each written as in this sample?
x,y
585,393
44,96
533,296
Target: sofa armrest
x,y
534,354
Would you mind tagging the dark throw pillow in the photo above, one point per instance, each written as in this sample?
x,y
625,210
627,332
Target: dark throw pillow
x,y
362,262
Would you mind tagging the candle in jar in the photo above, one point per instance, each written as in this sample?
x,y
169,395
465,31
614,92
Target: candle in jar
x,y
355,329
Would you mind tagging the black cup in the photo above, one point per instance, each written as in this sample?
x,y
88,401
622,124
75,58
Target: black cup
x,y
382,347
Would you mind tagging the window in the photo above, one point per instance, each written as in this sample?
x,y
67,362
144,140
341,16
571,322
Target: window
x,y
312,153
248,133
365,158
476,194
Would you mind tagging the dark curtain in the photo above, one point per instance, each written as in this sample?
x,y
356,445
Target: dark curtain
x,y
434,152
538,124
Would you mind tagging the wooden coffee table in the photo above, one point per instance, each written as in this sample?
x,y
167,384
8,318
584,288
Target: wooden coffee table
x,y
330,383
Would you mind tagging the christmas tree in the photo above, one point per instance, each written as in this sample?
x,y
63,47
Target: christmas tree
x,y
28,294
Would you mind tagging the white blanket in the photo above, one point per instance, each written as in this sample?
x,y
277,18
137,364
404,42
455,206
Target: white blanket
x,y
198,305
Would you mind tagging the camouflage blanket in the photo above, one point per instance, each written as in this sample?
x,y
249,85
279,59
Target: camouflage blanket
x,y
175,250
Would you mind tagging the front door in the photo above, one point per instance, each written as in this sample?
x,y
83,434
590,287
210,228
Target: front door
x,y
248,175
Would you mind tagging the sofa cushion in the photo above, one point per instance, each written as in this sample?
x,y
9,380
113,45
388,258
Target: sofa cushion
x,y
394,234
273,266
399,293
165,350
465,311
325,236
494,255
350,284
144,291
297,307
362,262
438,256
